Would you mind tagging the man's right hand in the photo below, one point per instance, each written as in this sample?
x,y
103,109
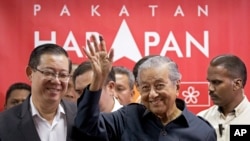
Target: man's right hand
x,y
101,62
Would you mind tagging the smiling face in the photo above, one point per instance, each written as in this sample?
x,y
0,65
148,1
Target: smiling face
x,y
158,93
44,90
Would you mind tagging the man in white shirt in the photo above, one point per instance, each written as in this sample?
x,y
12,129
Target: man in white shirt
x,y
227,77
124,88
43,116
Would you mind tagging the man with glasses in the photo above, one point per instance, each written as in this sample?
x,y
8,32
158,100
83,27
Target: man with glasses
x,y
43,116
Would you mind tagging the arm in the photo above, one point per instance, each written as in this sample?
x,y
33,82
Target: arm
x,y
101,62
88,118
211,136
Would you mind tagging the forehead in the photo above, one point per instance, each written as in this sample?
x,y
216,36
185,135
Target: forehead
x,y
83,80
217,72
121,77
19,93
154,74
54,60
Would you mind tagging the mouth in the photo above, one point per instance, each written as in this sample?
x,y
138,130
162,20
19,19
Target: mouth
x,y
213,97
53,90
155,101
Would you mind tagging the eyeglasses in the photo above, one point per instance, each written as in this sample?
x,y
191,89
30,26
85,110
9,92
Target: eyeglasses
x,y
64,77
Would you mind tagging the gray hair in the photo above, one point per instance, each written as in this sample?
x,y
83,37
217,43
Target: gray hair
x,y
156,61
127,72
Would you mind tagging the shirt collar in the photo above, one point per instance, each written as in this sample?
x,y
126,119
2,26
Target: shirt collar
x,y
34,111
239,108
117,105
182,119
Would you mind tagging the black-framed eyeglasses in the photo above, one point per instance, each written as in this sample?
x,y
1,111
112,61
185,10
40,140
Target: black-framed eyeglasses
x,y
64,77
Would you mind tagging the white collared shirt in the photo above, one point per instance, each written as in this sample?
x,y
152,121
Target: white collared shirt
x,y
117,105
57,131
239,116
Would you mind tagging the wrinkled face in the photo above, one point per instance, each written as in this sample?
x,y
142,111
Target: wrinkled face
x,y
82,81
158,93
220,86
122,90
45,90
16,97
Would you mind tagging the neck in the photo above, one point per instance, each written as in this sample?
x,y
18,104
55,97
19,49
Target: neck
x,y
46,110
170,116
228,108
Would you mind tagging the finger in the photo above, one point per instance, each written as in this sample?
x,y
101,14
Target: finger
x,y
102,44
95,43
86,52
111,55
92,52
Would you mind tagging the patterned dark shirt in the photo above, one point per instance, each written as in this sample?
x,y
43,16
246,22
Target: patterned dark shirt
x,y
135,122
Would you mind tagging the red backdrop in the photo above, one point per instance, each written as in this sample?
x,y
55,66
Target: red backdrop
x,y
189,31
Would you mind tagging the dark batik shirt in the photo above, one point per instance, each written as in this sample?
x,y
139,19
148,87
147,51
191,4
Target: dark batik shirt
x,y
135,122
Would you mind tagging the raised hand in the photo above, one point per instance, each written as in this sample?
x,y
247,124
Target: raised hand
x,y
101,62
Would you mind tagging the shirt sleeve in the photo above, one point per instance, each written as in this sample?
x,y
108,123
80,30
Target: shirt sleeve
x,y
91,122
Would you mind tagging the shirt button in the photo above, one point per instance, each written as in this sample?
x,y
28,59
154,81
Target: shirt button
x,y
164,133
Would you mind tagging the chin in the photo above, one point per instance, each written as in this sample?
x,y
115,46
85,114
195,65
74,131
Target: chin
x,y
156,111
159,114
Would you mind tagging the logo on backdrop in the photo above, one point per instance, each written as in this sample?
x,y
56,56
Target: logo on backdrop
x,y
195,94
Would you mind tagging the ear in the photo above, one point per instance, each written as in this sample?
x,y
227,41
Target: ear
x,y
136,85
111,88
178,86
237,84
132,92
29,72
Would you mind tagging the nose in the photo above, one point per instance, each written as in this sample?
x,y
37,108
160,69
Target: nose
x,y
56,78
210,87
153,93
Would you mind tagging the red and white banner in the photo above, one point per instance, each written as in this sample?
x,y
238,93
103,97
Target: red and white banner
x,y
191,32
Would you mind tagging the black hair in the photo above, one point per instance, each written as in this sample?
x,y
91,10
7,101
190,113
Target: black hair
x,y
235,66
16,86
36,54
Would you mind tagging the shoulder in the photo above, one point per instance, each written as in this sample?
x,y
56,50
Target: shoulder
x,y
135,110
132,109
69,103
208,112
136,106
206,121
14,111
197,121
69,106
10,117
